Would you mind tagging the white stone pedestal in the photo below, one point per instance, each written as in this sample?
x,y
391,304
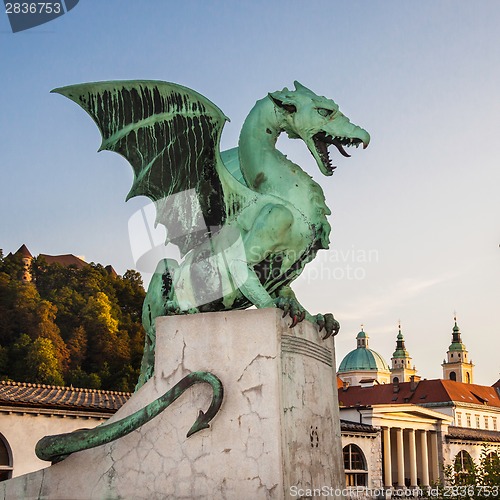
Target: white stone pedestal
x,y
276,434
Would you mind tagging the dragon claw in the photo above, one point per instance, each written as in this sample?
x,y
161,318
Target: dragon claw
x,y
294,321
328,323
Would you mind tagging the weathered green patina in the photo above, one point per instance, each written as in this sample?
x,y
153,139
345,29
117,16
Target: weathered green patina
x,y
56,448
246,220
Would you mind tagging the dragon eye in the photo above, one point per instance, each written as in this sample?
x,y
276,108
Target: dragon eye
x,y
325,112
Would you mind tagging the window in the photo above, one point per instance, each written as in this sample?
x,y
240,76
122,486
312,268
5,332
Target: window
x,y
493,460
453,376
356,471
468,420
463,466
459,419
5,460
486,422
494,423
478,422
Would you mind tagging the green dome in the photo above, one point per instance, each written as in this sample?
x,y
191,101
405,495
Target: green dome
x,y
361,335
363,358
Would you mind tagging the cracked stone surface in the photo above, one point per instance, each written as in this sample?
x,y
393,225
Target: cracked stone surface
x,y
278,425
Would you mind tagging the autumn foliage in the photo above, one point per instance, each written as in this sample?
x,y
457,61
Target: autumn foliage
x,y
70,326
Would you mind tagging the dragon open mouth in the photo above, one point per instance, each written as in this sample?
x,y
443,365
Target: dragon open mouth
x,y
322,140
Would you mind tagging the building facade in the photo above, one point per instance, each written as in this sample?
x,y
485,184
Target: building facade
x,y
419,425
28,412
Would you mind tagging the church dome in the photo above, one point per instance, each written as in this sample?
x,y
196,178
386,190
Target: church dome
x,y
363,358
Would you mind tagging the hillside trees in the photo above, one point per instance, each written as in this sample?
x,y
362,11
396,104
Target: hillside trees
x,y
70,326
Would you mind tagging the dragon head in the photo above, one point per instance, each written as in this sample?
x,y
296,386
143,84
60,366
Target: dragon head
x,y
318,122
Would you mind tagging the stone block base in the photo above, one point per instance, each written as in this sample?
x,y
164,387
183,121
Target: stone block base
x,y
276,433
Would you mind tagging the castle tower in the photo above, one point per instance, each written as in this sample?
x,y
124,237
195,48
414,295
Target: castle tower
x,y
402,369
458,367
26,257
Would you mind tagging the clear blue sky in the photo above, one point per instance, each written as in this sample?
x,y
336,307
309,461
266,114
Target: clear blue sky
x,y
416,219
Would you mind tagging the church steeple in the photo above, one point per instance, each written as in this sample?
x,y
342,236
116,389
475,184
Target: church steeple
x,y
402,369
457,367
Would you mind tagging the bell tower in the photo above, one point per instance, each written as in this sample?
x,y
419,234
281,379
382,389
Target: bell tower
x,y
458,366
402,369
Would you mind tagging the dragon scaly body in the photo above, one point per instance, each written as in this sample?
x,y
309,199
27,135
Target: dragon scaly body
x,y
246,220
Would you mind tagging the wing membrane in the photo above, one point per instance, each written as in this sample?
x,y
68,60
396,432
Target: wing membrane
x,y
170,135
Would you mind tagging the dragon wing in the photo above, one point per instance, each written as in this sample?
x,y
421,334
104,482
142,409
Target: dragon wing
x,y
170,135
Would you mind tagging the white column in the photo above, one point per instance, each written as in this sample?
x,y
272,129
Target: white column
x,y
434,457
387,457
413,457
424,458
400,455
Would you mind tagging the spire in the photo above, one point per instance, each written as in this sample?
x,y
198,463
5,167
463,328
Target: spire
x,y
402,369
400,351
23,250
456,338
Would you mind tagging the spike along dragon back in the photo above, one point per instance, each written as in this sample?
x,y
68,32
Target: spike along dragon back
x,y
246,220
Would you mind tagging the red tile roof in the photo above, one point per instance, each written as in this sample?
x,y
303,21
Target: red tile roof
x,y
426,391
17,394
468,434
64,260
347,426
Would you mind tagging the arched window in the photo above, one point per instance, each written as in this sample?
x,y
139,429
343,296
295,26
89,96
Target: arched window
x,y
453,376
356,470
395,380
467,378
5,460
463,466
493,461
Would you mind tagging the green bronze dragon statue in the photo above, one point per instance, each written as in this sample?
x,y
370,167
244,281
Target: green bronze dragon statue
x,y
246,220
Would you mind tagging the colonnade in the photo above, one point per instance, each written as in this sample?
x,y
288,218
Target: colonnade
x,y
410,457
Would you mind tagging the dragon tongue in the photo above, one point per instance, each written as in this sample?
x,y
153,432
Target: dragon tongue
x,y
336,142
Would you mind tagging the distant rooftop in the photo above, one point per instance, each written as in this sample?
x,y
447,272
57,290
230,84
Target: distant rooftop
x,y
425,392
64,260
21,394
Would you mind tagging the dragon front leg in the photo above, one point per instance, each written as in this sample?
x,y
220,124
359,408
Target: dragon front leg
x,y
269,232
160,301
287,301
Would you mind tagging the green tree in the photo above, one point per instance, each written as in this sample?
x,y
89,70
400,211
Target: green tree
x,y
80,378
18,353
46,328
92,318
77,347
13,265
42,364
102,330
4,362
475,481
